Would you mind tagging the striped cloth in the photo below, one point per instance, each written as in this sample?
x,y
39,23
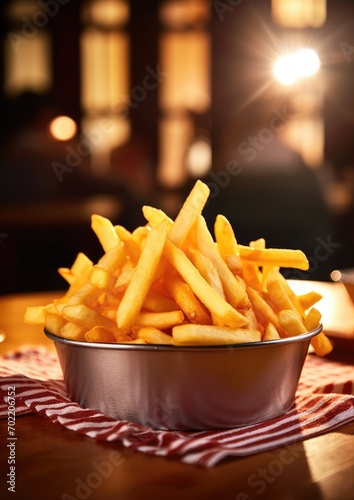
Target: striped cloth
x,y
324,401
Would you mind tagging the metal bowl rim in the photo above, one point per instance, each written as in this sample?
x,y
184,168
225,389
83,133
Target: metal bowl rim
x,y
182,348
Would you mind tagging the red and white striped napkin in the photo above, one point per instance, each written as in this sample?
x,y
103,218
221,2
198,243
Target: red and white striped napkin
x,y
324,401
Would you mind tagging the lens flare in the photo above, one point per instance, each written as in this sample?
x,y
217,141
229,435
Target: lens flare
x,y
292,67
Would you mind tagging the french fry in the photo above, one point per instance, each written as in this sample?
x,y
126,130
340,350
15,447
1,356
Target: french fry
x,y
155,215
153,335
250,271
321,343
275,256
104,231
156,302
66,273
54,323
143,276
81,265
160,320
187,301
264,313
279,297
102,279
132,246
99,334
225,237
291,322
210,335
139,235
206,294
234,293
189,213
88,318
309,299
35,315
270,333
211,275
125,276
72,331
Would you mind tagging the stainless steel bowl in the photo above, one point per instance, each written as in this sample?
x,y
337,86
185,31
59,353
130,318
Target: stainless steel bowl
x,y
185,388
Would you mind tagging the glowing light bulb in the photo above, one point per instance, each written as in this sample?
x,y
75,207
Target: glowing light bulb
x,y
63,128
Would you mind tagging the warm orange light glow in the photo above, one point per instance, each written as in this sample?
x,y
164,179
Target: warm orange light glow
x,y
185,57
63,128
27,65
292,67
175,136
199,158
299,13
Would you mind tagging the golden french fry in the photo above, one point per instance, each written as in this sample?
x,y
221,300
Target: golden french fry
x,y
153,335
122,282
86,317
35,315
291,322
312,319
225,236
189,334
105,232
143,276
132,246
208,270
66,273
160,320
211,275
102,279
72,331
81,268
99,334
54,323
279,297
251,272
139,235
81,265
275,256
252,321
308,299
270,333
227,243
155,215
190,211
187,301
234,293
206,294
264,313
156,302
321,343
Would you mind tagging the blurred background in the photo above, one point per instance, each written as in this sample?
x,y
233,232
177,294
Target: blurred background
x,y
107,105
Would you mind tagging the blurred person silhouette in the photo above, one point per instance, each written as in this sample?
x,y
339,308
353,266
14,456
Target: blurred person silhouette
x,y
267,191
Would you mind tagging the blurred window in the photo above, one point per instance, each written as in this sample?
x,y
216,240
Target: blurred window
x,y
27,46
105,77
184,48
299,13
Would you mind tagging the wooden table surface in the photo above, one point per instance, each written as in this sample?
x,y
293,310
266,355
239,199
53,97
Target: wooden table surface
x,y
55,463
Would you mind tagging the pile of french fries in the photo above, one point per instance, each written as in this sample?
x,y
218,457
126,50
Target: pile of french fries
x,y
172,282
